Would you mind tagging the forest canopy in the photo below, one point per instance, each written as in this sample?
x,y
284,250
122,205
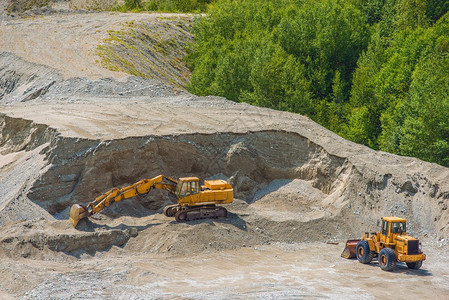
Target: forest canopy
x,y
374,71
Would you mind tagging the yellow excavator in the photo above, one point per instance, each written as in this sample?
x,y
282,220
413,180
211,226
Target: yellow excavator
x,y
193,201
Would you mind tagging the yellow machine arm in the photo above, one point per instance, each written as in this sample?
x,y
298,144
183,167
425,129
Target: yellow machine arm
x,y
78,212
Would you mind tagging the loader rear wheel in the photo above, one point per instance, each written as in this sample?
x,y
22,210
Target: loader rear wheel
x,y
387,259
414,265
363,252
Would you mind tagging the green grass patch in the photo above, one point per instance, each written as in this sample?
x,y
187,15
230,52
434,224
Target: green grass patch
x,y
179,6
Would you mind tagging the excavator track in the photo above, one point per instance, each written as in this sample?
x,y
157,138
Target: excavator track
x,y
200,212
171,210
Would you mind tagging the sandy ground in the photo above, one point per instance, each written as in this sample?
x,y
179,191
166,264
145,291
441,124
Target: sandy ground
x,y
230,259
278,271
146,268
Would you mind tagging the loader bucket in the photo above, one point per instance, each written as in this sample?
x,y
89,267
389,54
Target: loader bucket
x,y
349,251
78,212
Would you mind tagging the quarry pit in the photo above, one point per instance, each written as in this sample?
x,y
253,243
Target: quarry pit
x,y
300,190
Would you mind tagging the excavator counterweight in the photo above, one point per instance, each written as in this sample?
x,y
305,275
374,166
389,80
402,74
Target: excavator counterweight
x,y
193,201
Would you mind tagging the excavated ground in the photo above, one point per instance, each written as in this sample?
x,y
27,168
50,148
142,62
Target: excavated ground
x,y
66,140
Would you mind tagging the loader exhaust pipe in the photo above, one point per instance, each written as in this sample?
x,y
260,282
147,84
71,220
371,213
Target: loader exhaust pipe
x,y
78,212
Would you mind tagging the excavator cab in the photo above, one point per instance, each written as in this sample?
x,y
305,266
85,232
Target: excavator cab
x,y
187,186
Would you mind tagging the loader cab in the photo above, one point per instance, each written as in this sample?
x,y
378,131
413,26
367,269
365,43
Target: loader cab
x,y
391,227
187,186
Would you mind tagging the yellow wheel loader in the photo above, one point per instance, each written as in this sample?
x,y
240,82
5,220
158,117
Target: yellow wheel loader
x,y
390,245
193,201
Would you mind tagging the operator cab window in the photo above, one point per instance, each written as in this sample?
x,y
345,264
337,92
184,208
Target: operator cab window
x,y
178,188
195,187
398,227
189,188
184,189
384,227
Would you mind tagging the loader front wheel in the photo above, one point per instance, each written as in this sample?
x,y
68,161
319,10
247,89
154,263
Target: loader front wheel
x,y
363,252
387,259
414,265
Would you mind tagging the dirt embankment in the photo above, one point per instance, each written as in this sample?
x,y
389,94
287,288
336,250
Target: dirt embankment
x,y
66,139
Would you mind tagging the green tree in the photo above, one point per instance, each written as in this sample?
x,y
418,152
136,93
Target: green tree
x,y
425,132
372,10
436,9
411,14
362,126
326,36
286,54
278,81
395,78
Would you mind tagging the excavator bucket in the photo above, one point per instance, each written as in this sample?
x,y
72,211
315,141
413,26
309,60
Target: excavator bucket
x,y
78,212
349,251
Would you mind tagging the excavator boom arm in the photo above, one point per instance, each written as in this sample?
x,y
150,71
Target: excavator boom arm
x,y
141,187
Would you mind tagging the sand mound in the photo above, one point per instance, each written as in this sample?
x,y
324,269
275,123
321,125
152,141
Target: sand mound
x,y
41,239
